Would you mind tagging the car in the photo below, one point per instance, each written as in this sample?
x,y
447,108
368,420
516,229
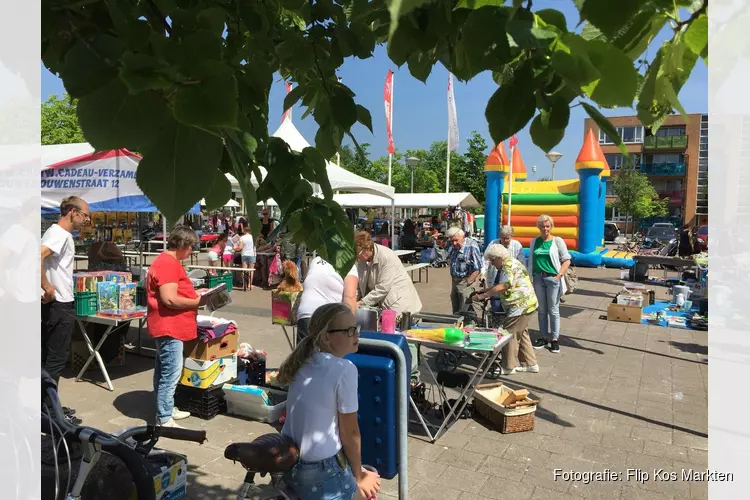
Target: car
x,y
663,233
611,231
701,239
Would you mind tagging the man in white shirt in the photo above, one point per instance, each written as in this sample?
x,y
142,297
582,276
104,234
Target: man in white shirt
x,y
58,306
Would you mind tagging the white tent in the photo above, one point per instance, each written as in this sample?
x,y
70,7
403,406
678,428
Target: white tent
x,y
410,200
229,204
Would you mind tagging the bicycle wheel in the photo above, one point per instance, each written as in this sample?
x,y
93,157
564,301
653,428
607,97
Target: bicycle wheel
x,y
446,360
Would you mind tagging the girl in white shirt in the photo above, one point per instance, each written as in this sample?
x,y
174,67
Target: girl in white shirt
x,y
246,248
322,410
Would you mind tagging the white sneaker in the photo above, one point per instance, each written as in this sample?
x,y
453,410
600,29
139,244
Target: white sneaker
x,y
528,369
171,423
504,371
179,414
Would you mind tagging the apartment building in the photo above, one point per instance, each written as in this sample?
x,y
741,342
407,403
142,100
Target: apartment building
x,y
675,159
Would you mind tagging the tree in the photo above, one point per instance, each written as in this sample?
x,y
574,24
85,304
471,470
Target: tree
x,y
636,196
186,82
60,122
468,174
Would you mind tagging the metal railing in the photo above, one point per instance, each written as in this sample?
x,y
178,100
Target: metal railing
x,y
665,142
663,168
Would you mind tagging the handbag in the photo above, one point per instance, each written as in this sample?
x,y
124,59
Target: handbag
x,y
571,280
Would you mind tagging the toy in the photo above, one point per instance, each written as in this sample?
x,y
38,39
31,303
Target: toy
x,y
445,335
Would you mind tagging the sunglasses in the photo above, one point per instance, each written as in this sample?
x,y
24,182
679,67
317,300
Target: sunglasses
x,y
85,214
350,332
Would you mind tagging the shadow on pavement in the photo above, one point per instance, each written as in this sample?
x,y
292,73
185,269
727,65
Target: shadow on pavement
x,y
198,489
136,404
689,347
674,344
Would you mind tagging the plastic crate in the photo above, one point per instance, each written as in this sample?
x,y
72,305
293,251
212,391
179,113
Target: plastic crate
x,y
225,278
203,403
86,303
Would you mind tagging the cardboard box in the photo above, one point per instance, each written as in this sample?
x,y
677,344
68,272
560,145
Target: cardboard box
x,y
626,314
628,299
171,483
213,349
205,374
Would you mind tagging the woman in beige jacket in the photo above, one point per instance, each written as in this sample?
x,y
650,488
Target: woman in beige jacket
x,y
383,280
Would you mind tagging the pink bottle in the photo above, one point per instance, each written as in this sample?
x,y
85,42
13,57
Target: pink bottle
x,y
388,321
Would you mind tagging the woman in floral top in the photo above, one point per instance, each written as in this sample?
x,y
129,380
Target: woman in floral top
x,y
519,301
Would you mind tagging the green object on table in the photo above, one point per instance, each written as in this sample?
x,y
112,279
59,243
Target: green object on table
x,y
225,278
86,303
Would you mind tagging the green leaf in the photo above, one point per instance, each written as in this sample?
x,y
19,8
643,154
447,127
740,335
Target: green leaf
x,y
343,109
132,30
178,167
112,118
544,136
292,4
527,36
512,106
212,19
324,142
255,21
606,126
293,96
639,32
618,81
558,114
607,17
200,45
483,42
400,8
478,4
318,163
209,99
571,61
420,65
364,117
88,66
143,72
696,37
554,18
220,191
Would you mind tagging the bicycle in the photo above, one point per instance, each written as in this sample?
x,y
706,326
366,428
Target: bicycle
x,y
135,447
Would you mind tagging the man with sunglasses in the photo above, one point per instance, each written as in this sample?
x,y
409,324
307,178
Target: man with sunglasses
x,y
58,306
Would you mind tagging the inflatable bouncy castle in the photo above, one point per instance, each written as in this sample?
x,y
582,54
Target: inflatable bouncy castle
x,y
576,205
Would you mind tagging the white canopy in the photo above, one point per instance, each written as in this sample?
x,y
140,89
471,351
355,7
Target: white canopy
x,y
340,179
230,203
409,200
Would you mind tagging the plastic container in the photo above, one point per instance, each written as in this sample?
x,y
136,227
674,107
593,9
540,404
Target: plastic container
x,y
86,303
226,278
243,401
388,321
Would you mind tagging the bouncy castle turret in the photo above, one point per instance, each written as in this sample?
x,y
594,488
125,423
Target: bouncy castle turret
x,y
605,175
495,168
519,169
590,164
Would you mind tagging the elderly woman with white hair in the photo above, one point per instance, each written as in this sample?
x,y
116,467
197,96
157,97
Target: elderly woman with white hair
x,y
548,262
514,248
519,301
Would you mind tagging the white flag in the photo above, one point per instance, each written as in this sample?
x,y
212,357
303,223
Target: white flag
x,y
452,117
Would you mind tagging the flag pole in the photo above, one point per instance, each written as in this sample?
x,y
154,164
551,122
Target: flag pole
x,y
390,170
510,185
448,168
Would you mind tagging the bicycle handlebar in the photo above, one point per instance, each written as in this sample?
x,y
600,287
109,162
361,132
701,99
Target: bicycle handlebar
x,y
136,464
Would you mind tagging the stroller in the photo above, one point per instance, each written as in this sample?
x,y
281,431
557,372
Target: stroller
x,y
435,256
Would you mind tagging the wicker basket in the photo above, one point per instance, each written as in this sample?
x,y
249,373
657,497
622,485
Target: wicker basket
x,y
518,417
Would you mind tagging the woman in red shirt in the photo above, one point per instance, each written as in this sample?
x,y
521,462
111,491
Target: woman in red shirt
x,y
172,311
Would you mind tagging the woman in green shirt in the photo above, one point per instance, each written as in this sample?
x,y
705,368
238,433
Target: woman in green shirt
x,y
548,261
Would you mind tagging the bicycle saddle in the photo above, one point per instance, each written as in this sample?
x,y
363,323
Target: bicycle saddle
x,y
266,454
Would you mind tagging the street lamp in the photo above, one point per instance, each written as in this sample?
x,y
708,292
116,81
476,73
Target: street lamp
x,y
553,156
412,162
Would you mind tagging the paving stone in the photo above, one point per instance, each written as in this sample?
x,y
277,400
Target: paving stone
x,y
423,470
690,440
461,458
581,435
525,455
541,493
669,451
462,479
424,450
498,467
632,493
486,447
453,439
427,490
562,447
597,490
502,489
622,443
658,435
697,456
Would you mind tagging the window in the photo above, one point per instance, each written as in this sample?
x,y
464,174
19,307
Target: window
x,y
670,131
618,161
664,158
629,135
610,188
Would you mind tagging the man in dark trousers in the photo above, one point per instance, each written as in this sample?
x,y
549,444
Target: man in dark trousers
x,y
58,305
686,242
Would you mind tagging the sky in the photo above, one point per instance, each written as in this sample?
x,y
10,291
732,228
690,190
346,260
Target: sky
x,y
420,110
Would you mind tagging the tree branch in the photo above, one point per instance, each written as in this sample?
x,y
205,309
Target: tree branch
x,y
679,24
161,17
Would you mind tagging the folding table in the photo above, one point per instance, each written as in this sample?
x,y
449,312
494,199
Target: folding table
x,y
112,324
486,359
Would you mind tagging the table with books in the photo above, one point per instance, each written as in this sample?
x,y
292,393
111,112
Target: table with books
x,y
105,298
482,344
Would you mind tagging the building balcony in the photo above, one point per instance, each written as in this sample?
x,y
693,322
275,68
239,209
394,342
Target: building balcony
x,y
665,142
666,169
675,197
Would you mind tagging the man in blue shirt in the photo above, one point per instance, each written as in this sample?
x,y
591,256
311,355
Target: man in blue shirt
x,y
466,265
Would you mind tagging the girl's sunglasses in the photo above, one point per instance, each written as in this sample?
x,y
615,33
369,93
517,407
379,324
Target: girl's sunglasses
x,y
350,332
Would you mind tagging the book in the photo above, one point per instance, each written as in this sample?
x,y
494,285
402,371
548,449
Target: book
x,y
107,295
126,297
217,297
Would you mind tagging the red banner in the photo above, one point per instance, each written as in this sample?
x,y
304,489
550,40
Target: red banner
x,y
388,101
287,112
